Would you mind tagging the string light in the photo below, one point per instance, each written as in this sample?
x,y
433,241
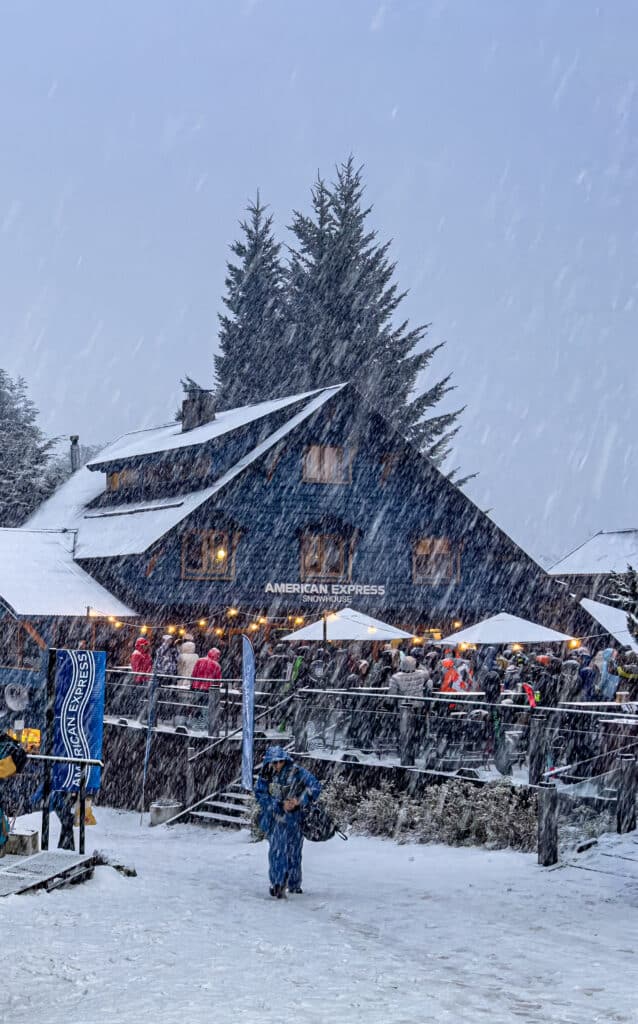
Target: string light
x,y
253,626
457,624
299,620
573,644
143,630
118,625
171,629
263,620
182,631
372,629
219,631
232,612
201,623
111,618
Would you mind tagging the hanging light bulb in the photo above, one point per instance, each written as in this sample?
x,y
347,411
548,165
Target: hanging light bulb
x,y
219,631
171,629
182,631
232,612
262,621
299,620
457,624
118,625
202,623
253,626
111,618
143,630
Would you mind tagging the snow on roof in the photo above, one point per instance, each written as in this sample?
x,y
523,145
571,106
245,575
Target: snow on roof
x,y
38,576
613,620
605,552
170,436
130,529
348,624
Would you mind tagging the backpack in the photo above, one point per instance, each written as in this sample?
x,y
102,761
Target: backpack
x,y
13,756
317,824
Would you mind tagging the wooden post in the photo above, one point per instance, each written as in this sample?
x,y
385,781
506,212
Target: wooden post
x,y
626,807
49,723
547,824
407,735
83,771
189,782
537,757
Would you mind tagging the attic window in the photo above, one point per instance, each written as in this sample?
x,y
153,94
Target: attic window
x,y
326,464
209,555
434,560
122,479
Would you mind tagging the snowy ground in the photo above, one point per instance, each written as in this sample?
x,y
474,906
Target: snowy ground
x,y
384,933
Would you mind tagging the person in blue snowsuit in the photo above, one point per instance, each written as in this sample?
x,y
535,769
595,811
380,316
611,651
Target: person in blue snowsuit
x,y
283,789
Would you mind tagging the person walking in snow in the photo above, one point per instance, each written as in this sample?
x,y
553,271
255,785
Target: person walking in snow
x,y
282,791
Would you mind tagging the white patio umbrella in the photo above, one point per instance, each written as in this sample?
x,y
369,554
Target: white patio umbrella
x,y
348,624
505,629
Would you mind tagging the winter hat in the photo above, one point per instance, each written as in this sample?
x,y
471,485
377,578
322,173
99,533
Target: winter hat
x,y
276,754
408,664
167,637
141,644
214,654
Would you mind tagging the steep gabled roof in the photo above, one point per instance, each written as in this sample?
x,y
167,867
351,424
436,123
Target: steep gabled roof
x,y
131,528
38,576
605,552
170,437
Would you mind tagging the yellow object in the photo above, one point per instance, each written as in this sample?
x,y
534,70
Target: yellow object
x,y
89,817
7,768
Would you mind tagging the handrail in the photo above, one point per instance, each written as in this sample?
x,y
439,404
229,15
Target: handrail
x,y
66,760
461,697
238,731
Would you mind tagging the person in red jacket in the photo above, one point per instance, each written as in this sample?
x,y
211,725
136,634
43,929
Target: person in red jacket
x,y
207,672
207,676
141,660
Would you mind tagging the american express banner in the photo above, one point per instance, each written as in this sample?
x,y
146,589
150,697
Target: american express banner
x,y
79,715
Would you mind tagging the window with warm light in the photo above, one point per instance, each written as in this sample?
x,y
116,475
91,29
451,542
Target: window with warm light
x,y
434,560
324,556
209,555
123,479
326,464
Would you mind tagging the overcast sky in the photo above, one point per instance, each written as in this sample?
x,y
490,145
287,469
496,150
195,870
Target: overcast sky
x,y
500,142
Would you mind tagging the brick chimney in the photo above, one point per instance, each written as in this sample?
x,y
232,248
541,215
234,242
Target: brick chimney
x,y
75,452
198,407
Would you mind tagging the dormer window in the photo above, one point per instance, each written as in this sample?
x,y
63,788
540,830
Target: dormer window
x,y
327,464
209,554
122,479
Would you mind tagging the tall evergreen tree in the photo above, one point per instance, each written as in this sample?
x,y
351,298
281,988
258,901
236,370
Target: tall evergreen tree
x,y
24,453
342,303
252,331
622,591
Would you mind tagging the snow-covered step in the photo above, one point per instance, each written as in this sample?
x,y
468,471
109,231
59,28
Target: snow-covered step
x,y
227,819
227,806
237,794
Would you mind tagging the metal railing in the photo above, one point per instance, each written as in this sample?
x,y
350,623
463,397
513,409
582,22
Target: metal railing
x,y
208,712
49,760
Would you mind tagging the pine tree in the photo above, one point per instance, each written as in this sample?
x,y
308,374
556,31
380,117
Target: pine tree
x,y
24,453
252,332
623,591
342,303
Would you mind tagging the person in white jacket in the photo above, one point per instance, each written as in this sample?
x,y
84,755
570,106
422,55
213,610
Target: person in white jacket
x,y
186,662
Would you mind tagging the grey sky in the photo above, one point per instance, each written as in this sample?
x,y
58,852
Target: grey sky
x,y
501,148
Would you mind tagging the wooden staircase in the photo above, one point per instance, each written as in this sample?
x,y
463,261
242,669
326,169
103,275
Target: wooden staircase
x,y
232,808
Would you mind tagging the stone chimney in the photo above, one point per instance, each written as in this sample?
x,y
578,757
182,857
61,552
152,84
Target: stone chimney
x,y
75,452
198,407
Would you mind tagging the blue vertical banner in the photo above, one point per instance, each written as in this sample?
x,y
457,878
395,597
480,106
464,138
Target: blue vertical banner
x,y
247,713
79,716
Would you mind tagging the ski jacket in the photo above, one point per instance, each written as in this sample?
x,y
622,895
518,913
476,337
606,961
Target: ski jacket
x,y
207,672
165,663
141,661
186,662
272,790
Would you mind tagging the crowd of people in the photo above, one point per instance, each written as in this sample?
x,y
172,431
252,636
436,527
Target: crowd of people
x,y
538,676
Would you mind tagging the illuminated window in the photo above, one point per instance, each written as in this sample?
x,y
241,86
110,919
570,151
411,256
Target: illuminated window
x,y
123,479
325,464
324,556
209,555
434,560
